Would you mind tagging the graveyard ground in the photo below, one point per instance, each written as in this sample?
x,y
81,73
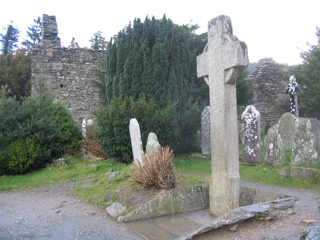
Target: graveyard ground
x,y
46,201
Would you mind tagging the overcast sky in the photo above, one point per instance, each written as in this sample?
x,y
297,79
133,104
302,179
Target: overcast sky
x,y
272,28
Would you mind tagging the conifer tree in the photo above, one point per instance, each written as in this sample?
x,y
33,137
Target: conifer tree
x,y
9,40
34,34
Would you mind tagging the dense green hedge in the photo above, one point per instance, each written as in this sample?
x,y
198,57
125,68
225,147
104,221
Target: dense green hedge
x,y
113,125
33,132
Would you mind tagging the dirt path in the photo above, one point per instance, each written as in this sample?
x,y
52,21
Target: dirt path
x,y
51,212
287,226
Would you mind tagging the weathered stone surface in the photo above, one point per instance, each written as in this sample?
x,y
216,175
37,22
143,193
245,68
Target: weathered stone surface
x,y
152,144
284,205
205,192
114,175
274,153
50,32
162,205
136,141
251,136
286,130
311,233
191,198
302,172
269,79
141,212
168,202
115,209
222,60
304,144
205,132
249,196
284,172
68,73
315,129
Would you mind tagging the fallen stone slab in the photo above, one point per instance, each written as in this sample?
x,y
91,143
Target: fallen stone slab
x,y
230,218
240,214
311,233
302,172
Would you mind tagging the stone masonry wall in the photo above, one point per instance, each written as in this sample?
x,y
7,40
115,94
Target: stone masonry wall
x,y
270,80
68,73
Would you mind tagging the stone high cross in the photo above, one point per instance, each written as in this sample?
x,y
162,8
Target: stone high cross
x,y
224,57
292,90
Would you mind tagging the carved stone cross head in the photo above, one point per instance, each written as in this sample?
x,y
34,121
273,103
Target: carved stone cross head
x,y
224,56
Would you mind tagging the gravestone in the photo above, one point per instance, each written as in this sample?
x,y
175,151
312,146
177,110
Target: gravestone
x,y
286,130
274,153
292,90
205,132
152,144
85,125
224,57
304,144
315,129
136,141
251,136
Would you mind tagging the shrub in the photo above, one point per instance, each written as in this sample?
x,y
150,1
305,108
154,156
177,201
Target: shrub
x,y
33,132
113,125
156,170
23,156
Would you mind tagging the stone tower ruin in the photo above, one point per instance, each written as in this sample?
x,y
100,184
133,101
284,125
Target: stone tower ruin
x,y
68,73
269,80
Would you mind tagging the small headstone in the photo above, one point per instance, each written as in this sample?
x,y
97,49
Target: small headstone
x,y
274,153
287,129
205,132
85,125
223,58
251,136
292,90
136,141
152,144
304,144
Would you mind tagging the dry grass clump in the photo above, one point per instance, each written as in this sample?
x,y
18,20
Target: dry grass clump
x,y
156,171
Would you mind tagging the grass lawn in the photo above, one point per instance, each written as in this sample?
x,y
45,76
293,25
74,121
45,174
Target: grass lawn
x,y
97,190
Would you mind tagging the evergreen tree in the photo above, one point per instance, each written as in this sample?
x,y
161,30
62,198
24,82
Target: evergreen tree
x,y
244,89
98,42
34,34
156,59
15,72
308,76
9,40
73,44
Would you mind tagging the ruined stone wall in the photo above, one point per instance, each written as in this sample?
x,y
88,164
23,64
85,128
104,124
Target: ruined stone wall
x,y
68,73
270,80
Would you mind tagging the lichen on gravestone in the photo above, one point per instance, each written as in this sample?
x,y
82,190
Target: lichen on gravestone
x,y
251,136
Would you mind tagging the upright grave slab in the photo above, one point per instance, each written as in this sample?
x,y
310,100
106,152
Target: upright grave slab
x,y
251,136
136,141
224,57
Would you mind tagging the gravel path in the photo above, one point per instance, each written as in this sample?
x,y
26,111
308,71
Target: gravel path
x,y
51,212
